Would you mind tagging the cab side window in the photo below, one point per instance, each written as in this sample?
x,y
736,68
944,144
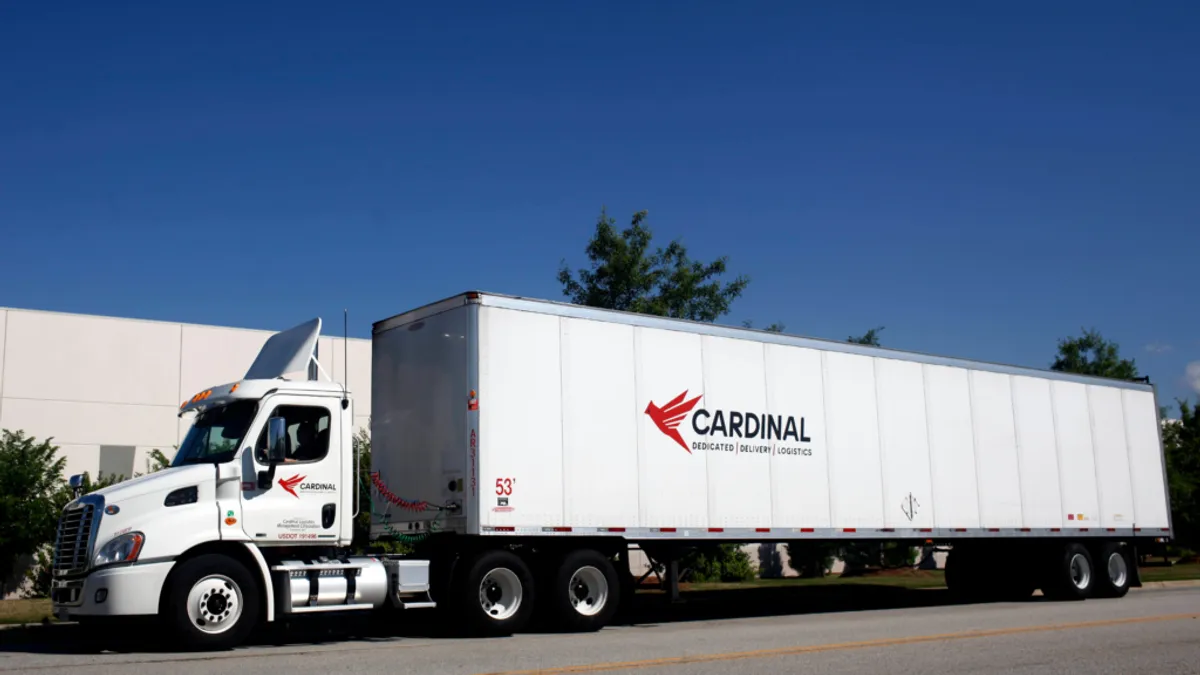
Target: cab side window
x,y
307,434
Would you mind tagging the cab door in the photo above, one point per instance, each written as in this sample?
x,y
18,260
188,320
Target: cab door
x,y
303,500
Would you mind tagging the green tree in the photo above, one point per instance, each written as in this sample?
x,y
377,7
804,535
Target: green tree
x,y
30,480
1181,444
1091,354
871,337
627,274
773,328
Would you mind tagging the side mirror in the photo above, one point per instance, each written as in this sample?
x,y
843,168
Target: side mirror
x,y
276,450
76,483
276,440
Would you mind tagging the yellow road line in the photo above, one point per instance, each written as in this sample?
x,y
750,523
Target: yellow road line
x,y
840,646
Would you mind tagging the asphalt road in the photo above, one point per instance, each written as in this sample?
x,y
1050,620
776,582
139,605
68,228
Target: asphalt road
x,y
821,632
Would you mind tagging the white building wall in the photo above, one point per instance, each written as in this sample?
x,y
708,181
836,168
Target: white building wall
x,y
107,390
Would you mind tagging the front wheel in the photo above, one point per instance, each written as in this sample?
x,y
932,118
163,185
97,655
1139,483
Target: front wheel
x,y
212,603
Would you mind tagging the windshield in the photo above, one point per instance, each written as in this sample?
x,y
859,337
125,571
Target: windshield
x,y
216,434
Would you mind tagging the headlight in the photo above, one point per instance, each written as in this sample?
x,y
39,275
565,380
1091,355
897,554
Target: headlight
x,y
124,548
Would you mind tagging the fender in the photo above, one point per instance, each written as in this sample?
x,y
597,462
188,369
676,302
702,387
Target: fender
x,y
265,573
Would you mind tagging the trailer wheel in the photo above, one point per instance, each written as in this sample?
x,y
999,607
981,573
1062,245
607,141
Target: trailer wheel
x,y
212,603
496,597
585,591
1112,577
1071,574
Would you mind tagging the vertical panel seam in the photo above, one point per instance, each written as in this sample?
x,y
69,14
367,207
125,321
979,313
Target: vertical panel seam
x,y
1087,389
637,424
1012,400
770,458
883,496
1129,459
1062,493
562,421
828,437
929,443
708,484
974,446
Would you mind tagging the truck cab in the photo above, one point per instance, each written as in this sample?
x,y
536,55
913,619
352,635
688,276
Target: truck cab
x,y
244,524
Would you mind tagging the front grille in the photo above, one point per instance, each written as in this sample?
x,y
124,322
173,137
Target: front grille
x,y
74,541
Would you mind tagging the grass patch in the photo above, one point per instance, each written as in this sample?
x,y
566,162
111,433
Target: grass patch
x,y
1179,572
24,611
914,579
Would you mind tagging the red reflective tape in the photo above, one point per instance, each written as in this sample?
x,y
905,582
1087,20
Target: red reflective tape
x,y
1112,529
562,529
1025,529
1055,529
1083,529
716,529
887,529
506,529
993,529
927,529
666,529
960,529
849,529
616,529
806,529
762,529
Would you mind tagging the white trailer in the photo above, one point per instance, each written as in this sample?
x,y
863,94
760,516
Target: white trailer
x,y
525,445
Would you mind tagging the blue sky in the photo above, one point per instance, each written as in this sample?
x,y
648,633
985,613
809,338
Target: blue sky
x,y
980,180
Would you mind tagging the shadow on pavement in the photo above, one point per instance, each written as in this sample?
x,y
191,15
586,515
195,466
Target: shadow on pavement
x,y
645,609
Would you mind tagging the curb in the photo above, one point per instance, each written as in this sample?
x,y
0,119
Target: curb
x,y
1182,583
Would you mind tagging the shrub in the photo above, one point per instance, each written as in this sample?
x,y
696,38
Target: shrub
x,y
722,562
30,481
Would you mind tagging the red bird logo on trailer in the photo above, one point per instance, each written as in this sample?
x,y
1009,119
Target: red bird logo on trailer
x,y
668,417
290,484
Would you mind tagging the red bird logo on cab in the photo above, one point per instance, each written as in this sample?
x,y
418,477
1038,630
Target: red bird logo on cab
x,y
668,417
290,484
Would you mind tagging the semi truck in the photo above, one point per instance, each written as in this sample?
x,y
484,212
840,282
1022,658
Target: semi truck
x,y
523,447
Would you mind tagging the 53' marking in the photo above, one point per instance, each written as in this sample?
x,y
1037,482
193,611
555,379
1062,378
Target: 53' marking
x,y
504,486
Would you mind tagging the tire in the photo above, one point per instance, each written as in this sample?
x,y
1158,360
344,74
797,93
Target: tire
x,y
584,592
212,603
496,597
1071,574
1113,572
